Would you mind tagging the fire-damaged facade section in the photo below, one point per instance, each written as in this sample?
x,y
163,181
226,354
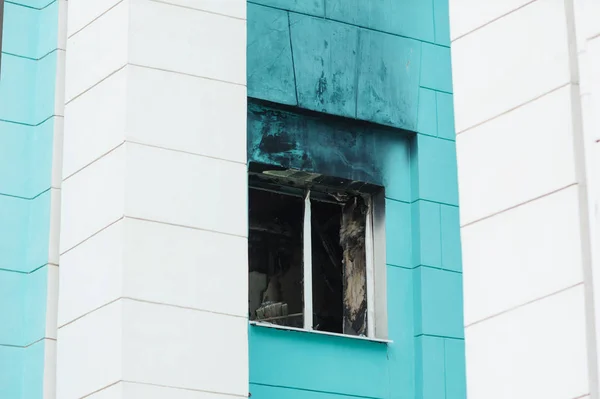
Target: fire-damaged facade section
x,y
308,252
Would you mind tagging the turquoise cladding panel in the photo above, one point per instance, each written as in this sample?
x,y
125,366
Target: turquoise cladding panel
x,y
27,122
386,62
22,371
331,67
324,363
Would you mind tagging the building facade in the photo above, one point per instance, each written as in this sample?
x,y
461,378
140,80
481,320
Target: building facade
x,y
526,98
150,150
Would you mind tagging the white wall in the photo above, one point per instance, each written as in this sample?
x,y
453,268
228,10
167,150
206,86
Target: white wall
x,y
153,229
524,184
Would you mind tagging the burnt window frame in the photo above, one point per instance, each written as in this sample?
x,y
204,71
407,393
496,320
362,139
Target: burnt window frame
x,y
376,279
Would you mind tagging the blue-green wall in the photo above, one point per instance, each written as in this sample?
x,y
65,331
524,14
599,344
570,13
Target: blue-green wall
x,y
387,62
27,92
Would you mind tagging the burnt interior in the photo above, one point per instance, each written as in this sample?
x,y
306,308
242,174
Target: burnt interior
x,y
275,257
276,253
327,267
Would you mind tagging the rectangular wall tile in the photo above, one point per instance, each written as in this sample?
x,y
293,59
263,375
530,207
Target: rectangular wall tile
x,y
270,65
542,66
445,116
186,40
398,233
20,30
16,92
325,60
95,123
388,81
430,368
454,360
91,274
14,214
197,274
538,140
427,236
268,392
93,198
409,18
97,336
232,8
318,362
127,390
437,173
504,256
427,117
436,72
401,320
202,116
184,189
186,339
514,355
450,238
468,15
441,14
82,12
97,51
312,7
438,295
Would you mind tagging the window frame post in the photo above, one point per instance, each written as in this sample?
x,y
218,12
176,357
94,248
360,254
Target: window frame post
x,y
307,264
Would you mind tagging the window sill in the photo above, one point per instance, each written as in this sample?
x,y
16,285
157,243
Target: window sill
x,y
278,327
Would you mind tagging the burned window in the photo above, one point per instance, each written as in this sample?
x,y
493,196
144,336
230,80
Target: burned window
x,y
311,252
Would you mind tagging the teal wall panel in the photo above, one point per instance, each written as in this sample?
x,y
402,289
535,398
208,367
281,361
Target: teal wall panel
x,y
427,119
438,294
436,70
270,69
456,385
29,32
24,232
450,230
409,18
437,170
25,158
394,157
14,231
336,68
445,113
427,234
441,14
22,372
430,368
325,60
12,290
17,88
23,306
269,392
20,25
388,79
387,63
318,362
27,122
401,317
398,233
311,7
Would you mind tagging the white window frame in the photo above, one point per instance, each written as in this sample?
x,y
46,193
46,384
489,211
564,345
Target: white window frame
x,y
375,271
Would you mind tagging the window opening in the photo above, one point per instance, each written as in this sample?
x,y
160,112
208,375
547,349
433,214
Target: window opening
x,y
310,254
